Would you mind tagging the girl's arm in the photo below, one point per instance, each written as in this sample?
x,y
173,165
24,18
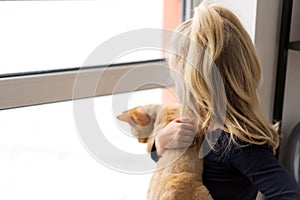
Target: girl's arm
x,y
265,172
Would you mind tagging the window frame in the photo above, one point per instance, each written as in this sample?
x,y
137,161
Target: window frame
x,y
48,87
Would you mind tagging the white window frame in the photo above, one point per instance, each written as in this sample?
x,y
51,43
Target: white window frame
x,y
26,90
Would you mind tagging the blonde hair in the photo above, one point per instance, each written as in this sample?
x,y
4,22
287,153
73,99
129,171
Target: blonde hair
x,y
226,43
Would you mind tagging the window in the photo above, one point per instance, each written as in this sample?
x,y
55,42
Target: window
x,y
43,46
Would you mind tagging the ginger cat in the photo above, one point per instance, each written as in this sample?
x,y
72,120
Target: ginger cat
x,y
179,172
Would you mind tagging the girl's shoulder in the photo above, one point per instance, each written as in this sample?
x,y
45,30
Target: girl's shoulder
x,y
224,146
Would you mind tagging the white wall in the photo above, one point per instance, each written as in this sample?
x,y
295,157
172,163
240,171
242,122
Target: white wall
x,y
266,44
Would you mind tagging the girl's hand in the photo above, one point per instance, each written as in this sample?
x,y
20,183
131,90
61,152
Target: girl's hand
x,y
179,133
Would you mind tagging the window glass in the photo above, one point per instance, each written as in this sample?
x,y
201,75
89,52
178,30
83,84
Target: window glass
x,y
45,35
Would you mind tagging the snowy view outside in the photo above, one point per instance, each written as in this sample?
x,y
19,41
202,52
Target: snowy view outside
x,y
41,154
43,35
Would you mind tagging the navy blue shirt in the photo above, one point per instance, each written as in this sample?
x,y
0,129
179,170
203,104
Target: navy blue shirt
x,y
233,172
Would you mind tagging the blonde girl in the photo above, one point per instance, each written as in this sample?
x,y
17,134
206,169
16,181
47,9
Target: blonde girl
x,y
242,161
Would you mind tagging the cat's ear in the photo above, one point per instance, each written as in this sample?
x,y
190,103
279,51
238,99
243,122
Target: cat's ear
x,y
140,116
136,116
125,117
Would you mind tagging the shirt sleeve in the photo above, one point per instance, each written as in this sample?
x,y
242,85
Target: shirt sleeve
x,y
153,153
260,166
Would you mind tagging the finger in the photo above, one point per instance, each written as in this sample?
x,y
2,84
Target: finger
x,y
184,144
186,138
190,134
189,127
179,144
184,120
186,141
176,144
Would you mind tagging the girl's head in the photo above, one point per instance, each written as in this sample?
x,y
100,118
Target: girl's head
x,y
214,45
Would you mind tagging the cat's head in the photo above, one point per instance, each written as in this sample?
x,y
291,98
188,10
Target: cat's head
x,y
141,120
144,120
